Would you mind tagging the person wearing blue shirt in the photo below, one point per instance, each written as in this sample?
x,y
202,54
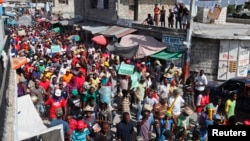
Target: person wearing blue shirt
x,y
166,124
13,51
37,73
81,133
59,121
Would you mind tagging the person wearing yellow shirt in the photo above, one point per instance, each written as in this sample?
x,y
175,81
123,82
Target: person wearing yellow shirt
x,y
230,105
67,77
95,81
47,74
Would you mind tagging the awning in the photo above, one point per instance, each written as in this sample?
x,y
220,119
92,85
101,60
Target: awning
x,y
100,39
166,55
95,29
118,31
71,21
18,62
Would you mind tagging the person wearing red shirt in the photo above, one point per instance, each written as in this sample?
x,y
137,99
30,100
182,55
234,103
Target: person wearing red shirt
x,y
28,69
75,60
80,79
56,101
45,83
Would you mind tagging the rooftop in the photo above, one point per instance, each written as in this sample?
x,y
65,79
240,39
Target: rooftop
x,y
222,31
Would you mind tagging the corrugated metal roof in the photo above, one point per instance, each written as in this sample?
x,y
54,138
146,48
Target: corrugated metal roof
x,y
118,31
95,29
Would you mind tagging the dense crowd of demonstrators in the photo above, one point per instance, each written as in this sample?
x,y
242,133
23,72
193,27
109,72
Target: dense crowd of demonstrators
x,y
80,88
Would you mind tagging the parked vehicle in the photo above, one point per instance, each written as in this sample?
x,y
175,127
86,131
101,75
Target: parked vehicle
x,y
223,90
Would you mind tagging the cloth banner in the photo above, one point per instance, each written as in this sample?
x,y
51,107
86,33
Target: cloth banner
x,y
57,29
55,48
21,33
126,69
135,80
105,93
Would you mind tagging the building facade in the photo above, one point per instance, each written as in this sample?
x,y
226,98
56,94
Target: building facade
x,y
110,11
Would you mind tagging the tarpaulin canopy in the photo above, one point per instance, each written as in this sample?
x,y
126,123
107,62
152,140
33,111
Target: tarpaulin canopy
x,y
118,31
18,62
166,55
100,39
25,20
138,46
95,29
30,123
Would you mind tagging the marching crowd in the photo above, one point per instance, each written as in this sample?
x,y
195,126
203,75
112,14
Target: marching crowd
x,y
80,87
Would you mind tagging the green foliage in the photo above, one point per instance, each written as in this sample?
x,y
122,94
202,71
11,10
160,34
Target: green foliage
x,y
235,9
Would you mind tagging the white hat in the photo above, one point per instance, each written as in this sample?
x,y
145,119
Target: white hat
x,y
86,85
188,110
147,73
158,62
77,65
147,107
58,92
110,68
78,56
34,98
143,63
88,109
22,79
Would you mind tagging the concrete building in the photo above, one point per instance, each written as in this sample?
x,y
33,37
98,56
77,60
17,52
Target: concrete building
x,y
111,10
64,6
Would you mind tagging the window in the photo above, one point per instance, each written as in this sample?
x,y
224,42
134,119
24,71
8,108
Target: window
x,y
100,4
64,1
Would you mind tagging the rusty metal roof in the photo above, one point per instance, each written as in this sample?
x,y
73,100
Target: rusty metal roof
x,y
118,31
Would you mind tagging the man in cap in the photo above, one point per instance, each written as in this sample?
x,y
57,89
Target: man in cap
x,y
183,121
39,92
56,101
60,121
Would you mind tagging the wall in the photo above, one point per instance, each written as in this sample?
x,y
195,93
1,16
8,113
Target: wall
x,y
205,55
100,15
5,69
203,12
64,8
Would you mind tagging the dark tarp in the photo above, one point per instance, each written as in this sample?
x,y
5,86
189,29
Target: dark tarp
x,y
166,55
127,52
138,46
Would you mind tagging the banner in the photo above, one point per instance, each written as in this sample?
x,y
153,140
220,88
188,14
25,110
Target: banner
x,y
105,94
126,69
21,32
55,48
57,29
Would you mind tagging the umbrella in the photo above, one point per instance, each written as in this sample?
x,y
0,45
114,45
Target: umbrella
x,y
138,46
100,39
74,37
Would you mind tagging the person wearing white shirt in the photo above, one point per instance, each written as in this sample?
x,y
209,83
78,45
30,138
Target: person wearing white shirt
x,y
177,102
163,90
200,84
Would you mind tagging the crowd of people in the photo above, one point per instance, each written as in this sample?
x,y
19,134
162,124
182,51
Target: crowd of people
x,y
80,87
178,16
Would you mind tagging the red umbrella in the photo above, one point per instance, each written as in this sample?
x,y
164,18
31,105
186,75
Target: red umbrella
x,y
100,39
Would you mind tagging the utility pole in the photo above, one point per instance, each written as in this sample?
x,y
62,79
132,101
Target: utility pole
x,y
188,41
